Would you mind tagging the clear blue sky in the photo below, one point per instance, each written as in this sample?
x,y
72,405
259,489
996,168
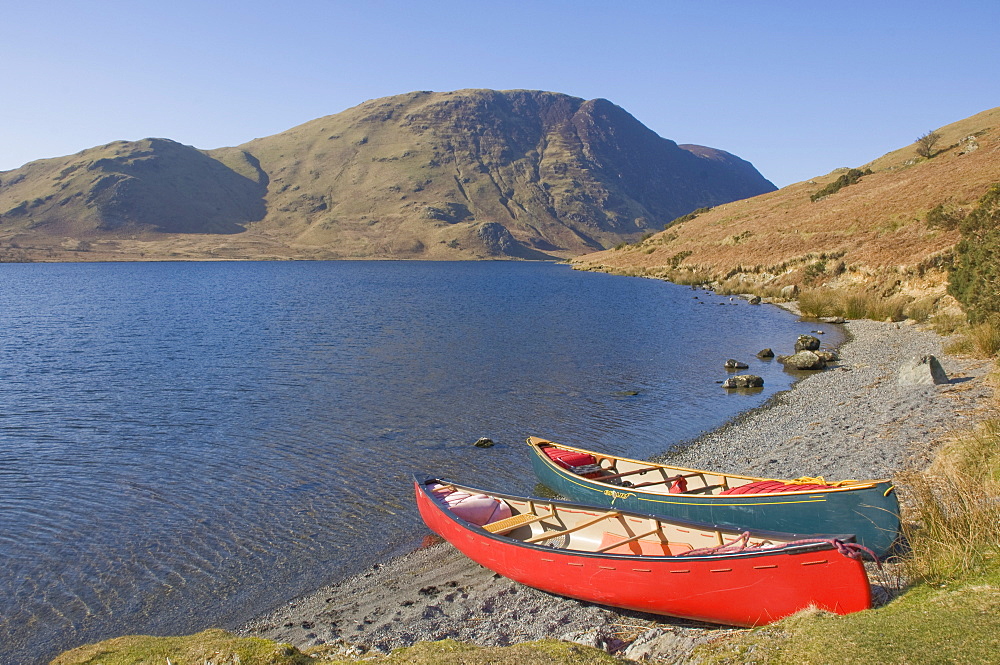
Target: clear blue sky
x,y
798,87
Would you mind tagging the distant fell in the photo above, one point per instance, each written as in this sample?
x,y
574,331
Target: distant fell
x,y
887,226
465,174
128,185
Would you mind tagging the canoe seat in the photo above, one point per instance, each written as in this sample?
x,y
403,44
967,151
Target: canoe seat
x,y
511,523
581,463
774,486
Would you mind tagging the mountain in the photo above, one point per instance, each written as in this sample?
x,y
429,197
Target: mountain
x,y
465,174
888,226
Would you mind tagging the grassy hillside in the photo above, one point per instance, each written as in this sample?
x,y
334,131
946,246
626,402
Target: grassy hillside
x,y
890,231
466,174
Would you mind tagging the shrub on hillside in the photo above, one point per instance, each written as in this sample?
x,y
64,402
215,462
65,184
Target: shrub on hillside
x,y
945,217
687,218
974,279
849,178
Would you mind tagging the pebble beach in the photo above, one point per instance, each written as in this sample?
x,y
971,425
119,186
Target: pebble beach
x,y
852,420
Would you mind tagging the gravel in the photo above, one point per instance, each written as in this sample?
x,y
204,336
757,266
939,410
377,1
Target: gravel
x,y
849,421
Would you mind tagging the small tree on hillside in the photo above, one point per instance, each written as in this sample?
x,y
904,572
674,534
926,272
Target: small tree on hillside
x,y
926,143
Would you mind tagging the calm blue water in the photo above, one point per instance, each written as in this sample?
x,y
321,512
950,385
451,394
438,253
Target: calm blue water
x,y
185,445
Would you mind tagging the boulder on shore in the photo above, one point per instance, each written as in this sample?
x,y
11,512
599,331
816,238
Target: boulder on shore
x,y
743,381
827,356
803,360
922,371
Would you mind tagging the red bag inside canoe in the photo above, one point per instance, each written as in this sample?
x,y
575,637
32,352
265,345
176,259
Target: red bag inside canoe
x,y
773,486
570,459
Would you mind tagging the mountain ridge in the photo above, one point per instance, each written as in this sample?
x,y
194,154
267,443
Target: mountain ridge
x,y
462,174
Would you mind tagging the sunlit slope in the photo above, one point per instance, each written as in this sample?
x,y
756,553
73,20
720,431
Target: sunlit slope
x,y
873,231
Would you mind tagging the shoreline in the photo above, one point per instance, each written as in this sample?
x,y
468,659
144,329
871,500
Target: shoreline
x,y
849,421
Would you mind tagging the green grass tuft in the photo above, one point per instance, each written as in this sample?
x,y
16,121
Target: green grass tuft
x,y
216,647
981,340
211,646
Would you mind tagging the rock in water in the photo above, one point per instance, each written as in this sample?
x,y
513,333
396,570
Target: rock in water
x,y
806,343
922,371
743,381
765,353
735,364
803,360
484,443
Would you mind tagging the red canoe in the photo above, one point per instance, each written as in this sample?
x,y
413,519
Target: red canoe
x,y
639,562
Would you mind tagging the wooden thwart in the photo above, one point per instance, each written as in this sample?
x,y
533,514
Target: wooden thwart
x,y
646,469
657,482
615,476
511,523
582,525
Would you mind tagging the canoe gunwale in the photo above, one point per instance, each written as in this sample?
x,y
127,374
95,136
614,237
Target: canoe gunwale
x,y
740,499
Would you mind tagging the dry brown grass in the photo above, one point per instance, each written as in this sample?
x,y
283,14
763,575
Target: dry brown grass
x,y
981,340
852,304
953,526
875,227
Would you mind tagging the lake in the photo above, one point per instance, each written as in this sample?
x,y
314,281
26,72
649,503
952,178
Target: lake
x,y
186,445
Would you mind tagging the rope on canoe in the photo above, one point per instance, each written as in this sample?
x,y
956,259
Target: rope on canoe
x,y
819,480
742,544
850,550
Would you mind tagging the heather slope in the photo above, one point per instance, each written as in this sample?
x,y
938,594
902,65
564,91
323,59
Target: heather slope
x,y
874,232
465,174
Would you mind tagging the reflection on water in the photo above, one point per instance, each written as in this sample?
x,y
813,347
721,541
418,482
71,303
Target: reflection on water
x,y
189,444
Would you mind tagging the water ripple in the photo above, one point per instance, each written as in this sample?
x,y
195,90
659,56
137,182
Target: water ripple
x,y
186,445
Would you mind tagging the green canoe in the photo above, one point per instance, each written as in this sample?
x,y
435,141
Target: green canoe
x,y
868,509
